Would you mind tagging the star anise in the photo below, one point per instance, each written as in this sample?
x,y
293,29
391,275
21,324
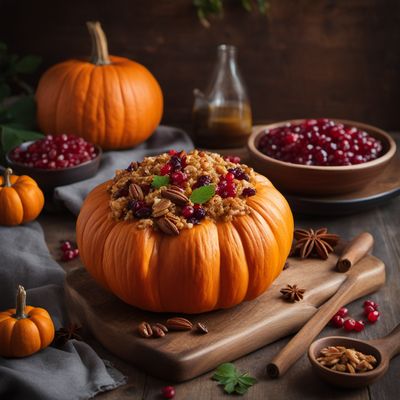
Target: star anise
x,y
292,293
318,243
63,335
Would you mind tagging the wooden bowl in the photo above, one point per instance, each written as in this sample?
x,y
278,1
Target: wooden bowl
x,y
320,180
344,379
48,179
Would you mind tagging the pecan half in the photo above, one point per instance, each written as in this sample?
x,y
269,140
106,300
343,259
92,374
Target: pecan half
x,y
157,331
145,330
136,191
162,327
167,226
161,208
175,196
179,324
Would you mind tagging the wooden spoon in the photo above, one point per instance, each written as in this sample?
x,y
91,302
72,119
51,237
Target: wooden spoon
x,y
382,349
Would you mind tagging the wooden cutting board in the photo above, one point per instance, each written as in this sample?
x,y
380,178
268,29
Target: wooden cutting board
x,y
232,333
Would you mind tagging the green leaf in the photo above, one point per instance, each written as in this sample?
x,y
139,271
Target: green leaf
x,y
11,137
27,64
226,369
23,113
241,389
230,387
247,380
159,181
202,195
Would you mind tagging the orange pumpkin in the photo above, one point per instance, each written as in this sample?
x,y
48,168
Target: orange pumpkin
x,y
214,265
111,101
21,200
24,330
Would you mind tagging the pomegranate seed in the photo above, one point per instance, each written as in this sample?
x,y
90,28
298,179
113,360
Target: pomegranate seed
x,y
337,321
168,392
359,326
76,252
370,303
66,246
349,324
373,316
166,169
319,142
229,177
343,312
54,152
68,255
368,309
187,211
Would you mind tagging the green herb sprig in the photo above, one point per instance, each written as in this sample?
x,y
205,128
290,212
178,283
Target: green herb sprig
x,y
159,181
202,194
233,380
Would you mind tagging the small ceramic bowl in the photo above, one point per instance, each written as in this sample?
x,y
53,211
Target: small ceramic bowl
x,y
48,179
320,180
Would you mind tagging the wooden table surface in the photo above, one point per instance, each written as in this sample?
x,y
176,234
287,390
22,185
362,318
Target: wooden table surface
x,y
299,382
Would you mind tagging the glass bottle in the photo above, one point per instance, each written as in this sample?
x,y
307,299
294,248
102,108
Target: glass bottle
x,y
222,116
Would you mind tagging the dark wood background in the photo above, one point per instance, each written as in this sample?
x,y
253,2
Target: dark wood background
x,y
306,58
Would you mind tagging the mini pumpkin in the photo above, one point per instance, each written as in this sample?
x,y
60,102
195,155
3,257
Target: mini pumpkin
x,y
212,266
21,200
24,330
111,101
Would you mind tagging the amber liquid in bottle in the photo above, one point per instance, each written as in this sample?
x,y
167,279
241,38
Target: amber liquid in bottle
x,y
222,116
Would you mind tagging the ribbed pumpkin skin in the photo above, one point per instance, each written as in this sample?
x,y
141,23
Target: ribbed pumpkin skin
x,y
208,267
115,106
20,203
23,337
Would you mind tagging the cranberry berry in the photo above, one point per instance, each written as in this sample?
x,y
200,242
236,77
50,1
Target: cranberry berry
x,y
368,309
166,169
203,180
178,178
370,303
373,316
349,324
337,321
343,312
359,326
168,392
199,212
187,211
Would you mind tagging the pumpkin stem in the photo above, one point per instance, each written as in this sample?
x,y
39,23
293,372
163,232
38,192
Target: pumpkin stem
x,y
7,175
99,44
21,303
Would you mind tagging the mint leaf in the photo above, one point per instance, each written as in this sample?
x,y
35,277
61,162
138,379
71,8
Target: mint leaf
x,y
159,181
233,381
202,195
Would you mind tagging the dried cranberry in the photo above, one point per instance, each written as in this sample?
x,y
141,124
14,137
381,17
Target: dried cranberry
x,y
135,205
175,162
166,169
203,180
145,188
199,212
178,178
248,192
193,220
143,212
187,211
239,173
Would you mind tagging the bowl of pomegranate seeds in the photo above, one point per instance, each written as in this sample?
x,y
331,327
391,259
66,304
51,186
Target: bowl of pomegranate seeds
x,y
320,156
56,160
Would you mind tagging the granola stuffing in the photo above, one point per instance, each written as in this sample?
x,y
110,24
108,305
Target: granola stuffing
x,y
175,191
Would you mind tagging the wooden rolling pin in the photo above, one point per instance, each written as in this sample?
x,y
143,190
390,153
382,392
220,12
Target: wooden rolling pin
x,y
298,345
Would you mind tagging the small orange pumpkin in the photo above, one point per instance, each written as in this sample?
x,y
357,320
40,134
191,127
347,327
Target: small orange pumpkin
x,y
111,101
21,200
215,265
24,330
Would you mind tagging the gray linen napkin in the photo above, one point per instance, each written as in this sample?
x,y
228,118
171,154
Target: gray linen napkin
x,y
163,139
70,373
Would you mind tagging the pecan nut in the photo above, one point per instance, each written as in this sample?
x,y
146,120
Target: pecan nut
x,y
157,331
175,196
167,226
179,324
145,329
161,208
162,327
136,191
